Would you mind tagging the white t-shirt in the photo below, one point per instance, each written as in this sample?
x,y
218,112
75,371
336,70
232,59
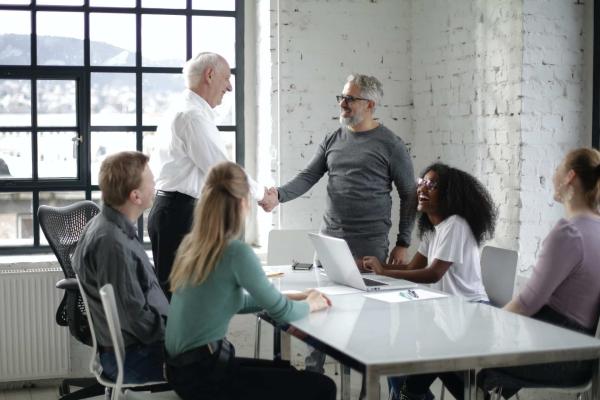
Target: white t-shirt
x,y
453,241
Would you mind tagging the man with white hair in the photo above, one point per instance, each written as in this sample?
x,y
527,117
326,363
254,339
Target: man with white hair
x,y
189,143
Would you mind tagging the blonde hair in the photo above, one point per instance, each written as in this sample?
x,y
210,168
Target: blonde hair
x,y
121,173
218,218
585,162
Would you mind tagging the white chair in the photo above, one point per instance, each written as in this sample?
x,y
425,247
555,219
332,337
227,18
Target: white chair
x,y
95,365
498,268
284,247
107,296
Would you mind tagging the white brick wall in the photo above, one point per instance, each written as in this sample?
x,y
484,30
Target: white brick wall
x,y
495,87
317,44
553,117
465,58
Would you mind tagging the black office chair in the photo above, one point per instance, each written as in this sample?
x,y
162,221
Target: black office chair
x,y
62,227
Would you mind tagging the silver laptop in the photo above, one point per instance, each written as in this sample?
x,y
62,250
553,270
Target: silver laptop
x,y
339,264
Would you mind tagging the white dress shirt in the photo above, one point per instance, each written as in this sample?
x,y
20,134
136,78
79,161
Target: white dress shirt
x,y
189,143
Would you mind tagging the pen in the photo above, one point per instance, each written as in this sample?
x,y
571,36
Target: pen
x,y
413,293
405,295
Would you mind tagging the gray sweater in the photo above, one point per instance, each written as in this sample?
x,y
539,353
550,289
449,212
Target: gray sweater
x,y
361,168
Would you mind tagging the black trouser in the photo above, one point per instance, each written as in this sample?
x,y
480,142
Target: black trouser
x,y
247,378
170,219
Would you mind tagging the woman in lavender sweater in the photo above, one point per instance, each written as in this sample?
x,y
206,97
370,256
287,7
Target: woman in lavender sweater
x,y
564,288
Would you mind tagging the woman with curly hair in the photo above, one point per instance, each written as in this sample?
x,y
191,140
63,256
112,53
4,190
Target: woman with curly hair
x,y
457,214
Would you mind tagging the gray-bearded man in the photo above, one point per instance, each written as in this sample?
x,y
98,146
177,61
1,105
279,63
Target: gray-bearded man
x,y
362,159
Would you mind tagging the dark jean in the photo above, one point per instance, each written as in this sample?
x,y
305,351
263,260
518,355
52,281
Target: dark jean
x,y
247,378
143,363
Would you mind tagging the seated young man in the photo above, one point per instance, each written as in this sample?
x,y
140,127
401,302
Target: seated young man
x,y
109,251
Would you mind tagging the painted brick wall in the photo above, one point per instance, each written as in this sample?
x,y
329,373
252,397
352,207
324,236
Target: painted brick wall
x,y
466,70
318,44
494,87
553,116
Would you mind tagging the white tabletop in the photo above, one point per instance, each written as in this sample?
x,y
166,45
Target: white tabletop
x,y
445,334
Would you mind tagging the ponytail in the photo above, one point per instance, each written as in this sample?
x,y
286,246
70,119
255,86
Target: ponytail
x,y
218,218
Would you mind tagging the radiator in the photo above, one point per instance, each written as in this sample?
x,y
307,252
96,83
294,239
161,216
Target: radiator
x,y
32,345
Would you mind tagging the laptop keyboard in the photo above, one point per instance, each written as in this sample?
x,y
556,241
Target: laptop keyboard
x,y
370,282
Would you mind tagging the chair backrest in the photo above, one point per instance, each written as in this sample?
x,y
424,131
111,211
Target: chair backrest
x,y
287,245
107,296
63,226
498,268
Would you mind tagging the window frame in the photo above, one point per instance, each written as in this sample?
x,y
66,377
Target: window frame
x,y
82,75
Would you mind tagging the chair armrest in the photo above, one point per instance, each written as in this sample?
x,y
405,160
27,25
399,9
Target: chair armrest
x,y
67,284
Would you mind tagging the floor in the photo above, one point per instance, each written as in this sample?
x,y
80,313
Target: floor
x,y
49,391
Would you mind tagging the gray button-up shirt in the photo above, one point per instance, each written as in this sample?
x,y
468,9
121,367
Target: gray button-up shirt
x,y
109,252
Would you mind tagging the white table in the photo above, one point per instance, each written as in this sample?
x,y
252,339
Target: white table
x,y
438,335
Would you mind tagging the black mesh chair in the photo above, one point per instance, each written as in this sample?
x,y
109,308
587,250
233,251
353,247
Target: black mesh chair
x,y
62,227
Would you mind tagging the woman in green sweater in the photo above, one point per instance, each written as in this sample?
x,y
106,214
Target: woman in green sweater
x,y
214,277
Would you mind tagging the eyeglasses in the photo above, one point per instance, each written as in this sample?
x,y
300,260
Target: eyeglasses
x,y
348,99
429,184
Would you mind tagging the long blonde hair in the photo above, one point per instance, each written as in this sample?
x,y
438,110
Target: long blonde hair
x,y
218,218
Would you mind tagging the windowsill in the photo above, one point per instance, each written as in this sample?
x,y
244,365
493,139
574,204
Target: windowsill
x,y
33,260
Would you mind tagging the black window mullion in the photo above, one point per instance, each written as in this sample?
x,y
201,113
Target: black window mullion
x,y
34,131
35,200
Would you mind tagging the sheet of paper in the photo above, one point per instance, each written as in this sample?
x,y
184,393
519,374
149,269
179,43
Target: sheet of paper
x,y
400,296
337,289
273,271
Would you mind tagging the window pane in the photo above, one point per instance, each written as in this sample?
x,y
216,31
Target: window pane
x,y
16,223
112,39
15,38
216,34
159,92
106,143
60,38
227,5
56,102
58,199
225,112
15,2
112,3
113,99
61,2
229,140
150,146
163,40
15,102
163,3
15,155
55,155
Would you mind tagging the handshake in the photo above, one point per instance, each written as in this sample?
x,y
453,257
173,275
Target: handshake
x,y
270,199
